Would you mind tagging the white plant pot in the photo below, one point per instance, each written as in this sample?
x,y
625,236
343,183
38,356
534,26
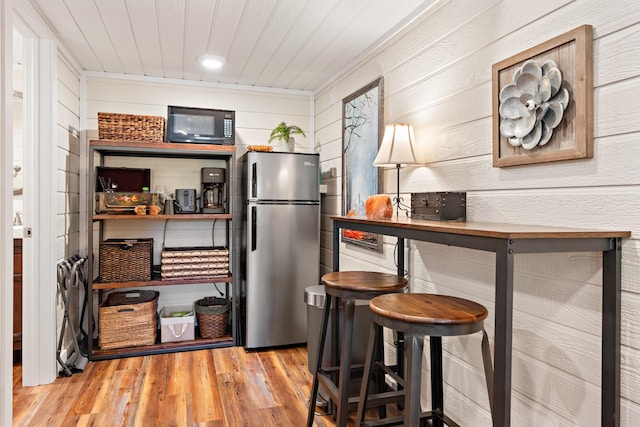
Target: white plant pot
x,y
288,146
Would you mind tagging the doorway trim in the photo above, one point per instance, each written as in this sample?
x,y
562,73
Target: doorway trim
x,y
40,181
6,203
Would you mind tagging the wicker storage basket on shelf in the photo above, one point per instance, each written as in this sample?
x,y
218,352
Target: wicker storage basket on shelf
x,y
194,262
213,316
126,260
130,127
128,319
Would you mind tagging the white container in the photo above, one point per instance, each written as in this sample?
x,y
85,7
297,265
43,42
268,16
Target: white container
x,y
181,328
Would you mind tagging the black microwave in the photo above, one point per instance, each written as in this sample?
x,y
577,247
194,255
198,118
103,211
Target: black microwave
x,y
200,125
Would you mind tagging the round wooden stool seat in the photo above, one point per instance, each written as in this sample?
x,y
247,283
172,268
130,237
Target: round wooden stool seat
x,y
417,316
362,284
443,315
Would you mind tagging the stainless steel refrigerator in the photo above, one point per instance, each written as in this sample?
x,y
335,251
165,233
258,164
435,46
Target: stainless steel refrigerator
x,y
281,245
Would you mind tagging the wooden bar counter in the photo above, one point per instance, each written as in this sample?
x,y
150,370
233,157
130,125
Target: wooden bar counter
x,y
507,240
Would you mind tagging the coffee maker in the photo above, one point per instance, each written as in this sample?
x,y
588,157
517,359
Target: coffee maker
x,y
213,190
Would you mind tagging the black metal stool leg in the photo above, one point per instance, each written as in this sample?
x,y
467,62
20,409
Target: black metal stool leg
x,y
374,331
412,382
345,362
488,368
437,399
400,368
380,374
323,336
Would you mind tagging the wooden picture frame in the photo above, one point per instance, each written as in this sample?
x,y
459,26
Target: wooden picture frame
x,y
573,137
362,129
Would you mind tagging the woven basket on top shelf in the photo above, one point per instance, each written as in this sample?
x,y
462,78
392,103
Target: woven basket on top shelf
x,y
213,316
130,127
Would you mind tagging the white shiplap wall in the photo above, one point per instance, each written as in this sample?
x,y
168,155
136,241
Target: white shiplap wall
x,y
437,76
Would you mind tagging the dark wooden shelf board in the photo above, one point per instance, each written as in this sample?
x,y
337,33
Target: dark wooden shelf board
x,y
158,348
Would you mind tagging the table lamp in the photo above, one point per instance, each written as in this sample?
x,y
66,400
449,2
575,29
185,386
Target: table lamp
x,y
397,149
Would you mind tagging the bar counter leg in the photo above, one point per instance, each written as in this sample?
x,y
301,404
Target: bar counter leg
x,y
611,287
336,247
503,336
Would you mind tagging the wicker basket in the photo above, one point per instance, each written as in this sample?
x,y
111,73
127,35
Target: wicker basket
x,y
130,127
126,260
194,262
128,319
213,316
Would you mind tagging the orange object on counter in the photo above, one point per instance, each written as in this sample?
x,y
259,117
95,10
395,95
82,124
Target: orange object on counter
x,y
379,206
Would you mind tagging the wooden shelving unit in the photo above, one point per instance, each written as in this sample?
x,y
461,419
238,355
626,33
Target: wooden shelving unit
x,y
101,149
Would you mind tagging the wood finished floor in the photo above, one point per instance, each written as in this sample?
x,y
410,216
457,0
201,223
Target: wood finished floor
x,y
222,387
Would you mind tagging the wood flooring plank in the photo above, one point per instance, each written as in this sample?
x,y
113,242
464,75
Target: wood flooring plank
x,y
54,410
118,400
285,395
138,372
152,392
217,423
174,411
228,360
26,405
207,401
94,390
234,408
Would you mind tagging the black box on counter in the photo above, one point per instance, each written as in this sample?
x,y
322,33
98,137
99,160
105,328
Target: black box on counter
x,y
439,206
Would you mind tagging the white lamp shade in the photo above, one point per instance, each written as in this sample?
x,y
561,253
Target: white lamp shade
x,y
398,146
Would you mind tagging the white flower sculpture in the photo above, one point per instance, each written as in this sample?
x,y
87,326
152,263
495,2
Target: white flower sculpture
x,y
533,105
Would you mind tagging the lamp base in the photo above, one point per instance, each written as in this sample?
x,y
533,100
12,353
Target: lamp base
x,y
400,206
398,201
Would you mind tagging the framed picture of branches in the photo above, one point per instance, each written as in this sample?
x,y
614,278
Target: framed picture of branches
x,y
362,127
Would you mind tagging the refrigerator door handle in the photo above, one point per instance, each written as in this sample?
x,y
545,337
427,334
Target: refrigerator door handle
x,y
254,228
254,180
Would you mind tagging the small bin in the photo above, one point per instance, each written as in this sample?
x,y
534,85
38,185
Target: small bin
x,y
177,323
315,297
213,316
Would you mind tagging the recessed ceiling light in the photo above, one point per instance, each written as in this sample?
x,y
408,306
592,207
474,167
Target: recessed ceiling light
x,y
212,62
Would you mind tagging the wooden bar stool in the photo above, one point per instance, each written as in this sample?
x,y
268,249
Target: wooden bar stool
x,y
419,315
345,287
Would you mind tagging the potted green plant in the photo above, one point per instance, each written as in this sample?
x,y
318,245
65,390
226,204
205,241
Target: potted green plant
x,y
284,133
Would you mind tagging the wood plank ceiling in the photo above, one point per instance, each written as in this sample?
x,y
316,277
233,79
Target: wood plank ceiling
x,y
292,44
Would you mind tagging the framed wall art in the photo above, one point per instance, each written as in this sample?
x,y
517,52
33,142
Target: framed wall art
x,y
543,102
362,126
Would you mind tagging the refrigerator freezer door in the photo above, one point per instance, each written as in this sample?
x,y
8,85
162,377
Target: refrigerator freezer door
x,y
283,254
282,176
